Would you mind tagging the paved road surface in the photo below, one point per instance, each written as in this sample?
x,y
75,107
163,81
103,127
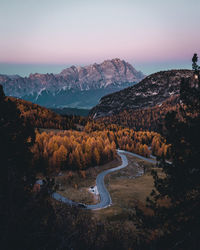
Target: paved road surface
x,y
105,199
139,156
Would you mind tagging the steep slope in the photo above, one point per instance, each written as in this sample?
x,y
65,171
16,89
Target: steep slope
x,y
151,91
41,117
151,119
79,87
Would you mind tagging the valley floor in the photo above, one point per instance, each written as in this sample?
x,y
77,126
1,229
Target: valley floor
x,y
128,187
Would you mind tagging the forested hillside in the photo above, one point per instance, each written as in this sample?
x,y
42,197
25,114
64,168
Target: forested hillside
x,y
151,118
41,117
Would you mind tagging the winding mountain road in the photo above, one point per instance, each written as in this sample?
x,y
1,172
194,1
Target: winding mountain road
x,y
153,161
105,199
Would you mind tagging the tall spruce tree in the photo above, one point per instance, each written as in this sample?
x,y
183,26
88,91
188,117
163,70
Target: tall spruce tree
x,y
17,177
176,225
26,218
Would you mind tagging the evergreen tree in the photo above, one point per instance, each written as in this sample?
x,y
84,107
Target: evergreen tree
x,y
195,66
175,223
26,217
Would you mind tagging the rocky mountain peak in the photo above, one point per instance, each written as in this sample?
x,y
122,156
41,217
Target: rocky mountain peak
x,y
103,78
114,71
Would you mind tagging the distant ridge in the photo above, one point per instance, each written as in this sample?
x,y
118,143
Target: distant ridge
x,y
77,87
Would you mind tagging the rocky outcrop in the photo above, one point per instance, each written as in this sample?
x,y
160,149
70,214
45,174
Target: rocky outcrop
x,y
63,89
151,91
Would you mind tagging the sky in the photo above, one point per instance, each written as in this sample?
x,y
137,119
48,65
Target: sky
x,y
48,35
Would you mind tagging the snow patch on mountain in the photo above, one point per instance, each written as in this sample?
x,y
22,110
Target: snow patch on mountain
x,y
107,77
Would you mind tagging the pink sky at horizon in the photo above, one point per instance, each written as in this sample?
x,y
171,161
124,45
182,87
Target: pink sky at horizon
x,y
84,32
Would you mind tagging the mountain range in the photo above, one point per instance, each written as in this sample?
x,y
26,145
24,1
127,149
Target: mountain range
x,y
76,87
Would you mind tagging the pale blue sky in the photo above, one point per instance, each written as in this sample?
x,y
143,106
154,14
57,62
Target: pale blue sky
x,y
50,34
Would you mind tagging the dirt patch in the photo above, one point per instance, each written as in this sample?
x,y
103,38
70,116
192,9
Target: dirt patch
x,y
75,186
127,188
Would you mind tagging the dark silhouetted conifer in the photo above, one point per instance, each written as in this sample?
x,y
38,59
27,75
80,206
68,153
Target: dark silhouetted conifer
x,y
175,200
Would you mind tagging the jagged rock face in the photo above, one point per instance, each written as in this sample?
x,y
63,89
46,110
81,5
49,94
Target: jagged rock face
x,y
106,74
151,91
58,89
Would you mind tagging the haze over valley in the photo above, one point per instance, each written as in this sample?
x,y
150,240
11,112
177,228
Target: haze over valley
x,y
75,87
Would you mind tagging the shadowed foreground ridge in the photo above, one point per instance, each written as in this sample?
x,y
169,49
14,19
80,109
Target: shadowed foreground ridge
x,y
151,91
